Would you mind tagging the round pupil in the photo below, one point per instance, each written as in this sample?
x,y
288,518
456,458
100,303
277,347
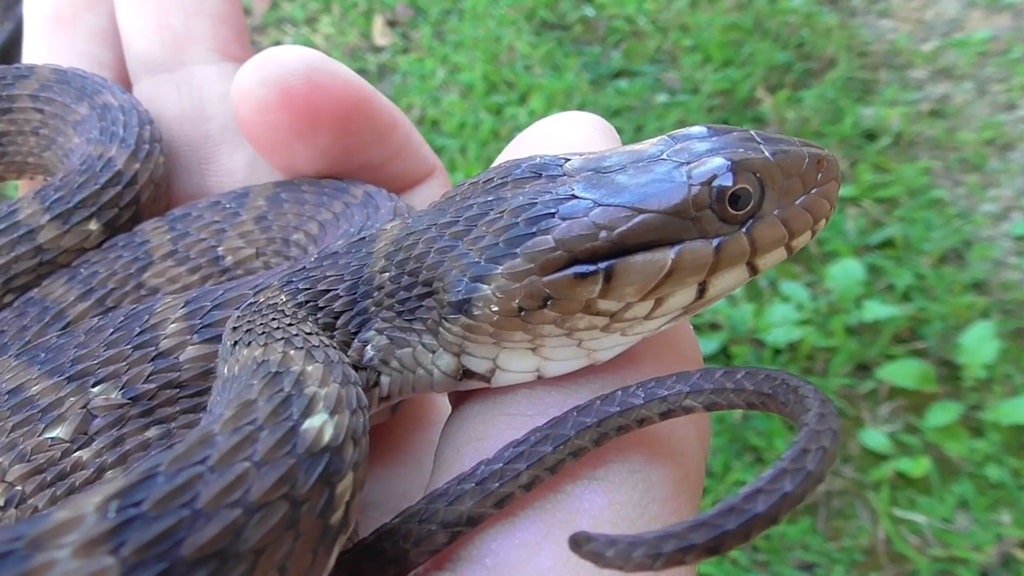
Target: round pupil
x,y
739,198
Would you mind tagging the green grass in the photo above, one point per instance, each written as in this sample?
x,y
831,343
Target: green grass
x,y
906,310
902,311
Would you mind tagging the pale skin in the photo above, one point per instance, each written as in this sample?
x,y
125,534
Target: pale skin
x,y
232,118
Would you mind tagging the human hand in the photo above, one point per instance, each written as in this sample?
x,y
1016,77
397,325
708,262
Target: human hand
x,y
231,118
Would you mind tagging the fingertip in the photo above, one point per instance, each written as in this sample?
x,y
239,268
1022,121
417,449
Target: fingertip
x,y
310,115
560,133
281,96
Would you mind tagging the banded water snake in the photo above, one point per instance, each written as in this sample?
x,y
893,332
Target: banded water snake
x,y
192,393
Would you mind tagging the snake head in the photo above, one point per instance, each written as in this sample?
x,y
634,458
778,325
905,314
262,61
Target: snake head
x,y
695,213
600,250
542,266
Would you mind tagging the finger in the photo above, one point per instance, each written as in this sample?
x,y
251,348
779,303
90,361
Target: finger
x,y
647,479
401,457
310,115
182,57
166,37
573,131
81,34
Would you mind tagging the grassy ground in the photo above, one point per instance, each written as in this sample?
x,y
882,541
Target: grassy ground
x,y
903,310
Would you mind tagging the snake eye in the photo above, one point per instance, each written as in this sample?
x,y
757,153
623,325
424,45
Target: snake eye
x,y
739,199
736,197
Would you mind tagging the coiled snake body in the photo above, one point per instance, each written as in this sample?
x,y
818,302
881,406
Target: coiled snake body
x,y
193,394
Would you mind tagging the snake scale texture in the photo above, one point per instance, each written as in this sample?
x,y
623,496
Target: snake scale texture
x,y
192,394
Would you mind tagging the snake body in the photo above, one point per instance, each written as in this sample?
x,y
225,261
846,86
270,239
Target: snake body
x,y
193,393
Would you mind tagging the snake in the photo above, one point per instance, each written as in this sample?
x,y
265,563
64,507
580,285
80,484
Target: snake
x,y
193,393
